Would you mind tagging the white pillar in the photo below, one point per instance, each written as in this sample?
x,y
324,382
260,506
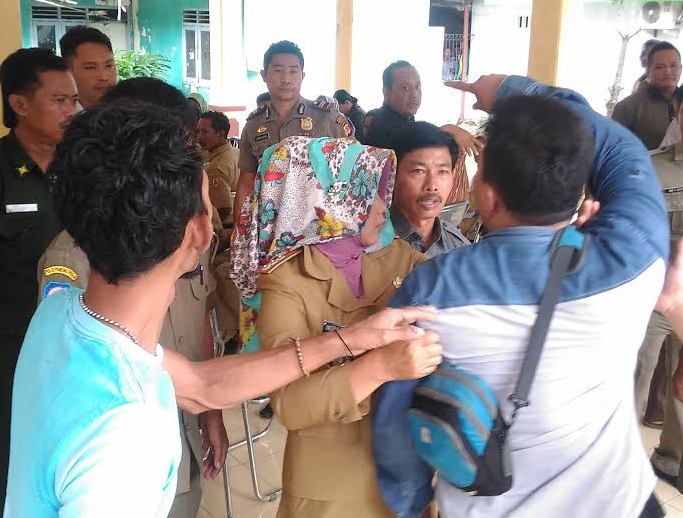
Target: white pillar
x,y
228,66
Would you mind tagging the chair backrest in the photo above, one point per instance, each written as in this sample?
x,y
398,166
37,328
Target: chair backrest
x,y
461,183
454,213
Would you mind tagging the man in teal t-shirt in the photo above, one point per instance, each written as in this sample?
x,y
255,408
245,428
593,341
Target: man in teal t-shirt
x,y
110,422
94,416
94,424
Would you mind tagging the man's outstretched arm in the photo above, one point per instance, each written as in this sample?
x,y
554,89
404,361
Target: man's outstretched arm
x,y
227,381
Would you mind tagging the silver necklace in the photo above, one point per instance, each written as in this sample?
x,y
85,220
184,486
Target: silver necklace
x,y
107,320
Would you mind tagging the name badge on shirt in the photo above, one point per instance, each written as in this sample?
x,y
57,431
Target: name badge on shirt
x,y
21,207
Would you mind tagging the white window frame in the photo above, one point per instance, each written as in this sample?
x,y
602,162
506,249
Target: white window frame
x,y
197,28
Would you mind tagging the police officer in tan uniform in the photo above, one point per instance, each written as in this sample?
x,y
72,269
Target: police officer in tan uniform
x,y
185,330
288,115
221,164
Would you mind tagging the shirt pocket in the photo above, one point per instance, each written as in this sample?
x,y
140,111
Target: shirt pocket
x,y
198,285
14,225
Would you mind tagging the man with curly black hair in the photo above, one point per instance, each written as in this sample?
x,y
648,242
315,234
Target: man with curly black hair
x,y
94,392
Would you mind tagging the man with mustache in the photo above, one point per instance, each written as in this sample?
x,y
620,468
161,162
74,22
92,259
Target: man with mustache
x,y
39,98
649,111
426,158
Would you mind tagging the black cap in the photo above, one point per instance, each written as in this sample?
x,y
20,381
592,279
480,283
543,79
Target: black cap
x,y
342,96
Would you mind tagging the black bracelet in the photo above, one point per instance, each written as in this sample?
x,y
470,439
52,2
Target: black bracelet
x,y
342,340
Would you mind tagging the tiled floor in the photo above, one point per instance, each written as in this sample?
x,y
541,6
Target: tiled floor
x,y
268,452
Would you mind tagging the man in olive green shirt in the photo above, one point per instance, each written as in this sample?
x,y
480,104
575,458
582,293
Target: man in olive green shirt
x,y
39,98
649,111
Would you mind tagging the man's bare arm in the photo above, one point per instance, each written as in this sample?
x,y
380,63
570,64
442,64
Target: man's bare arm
x,y
227,381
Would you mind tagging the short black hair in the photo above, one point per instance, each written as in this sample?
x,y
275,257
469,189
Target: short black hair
x,y
282,47
645,49
19,75
658,47
128,182
155,91
388,74
264,97
78,35
421,135
342,96
219,122
538,156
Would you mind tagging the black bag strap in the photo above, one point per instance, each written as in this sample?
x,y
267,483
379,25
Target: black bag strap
x,y
568,250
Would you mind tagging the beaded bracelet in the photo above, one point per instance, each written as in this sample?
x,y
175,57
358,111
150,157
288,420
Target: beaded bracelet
x,y
300,355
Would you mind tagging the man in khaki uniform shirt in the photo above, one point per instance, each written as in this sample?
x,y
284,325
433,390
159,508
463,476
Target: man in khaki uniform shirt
x,y
221,165
185,330
666,458
288,115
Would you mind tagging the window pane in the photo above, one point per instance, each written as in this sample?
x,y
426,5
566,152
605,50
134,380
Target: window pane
x,y
190,57
46,37
206,55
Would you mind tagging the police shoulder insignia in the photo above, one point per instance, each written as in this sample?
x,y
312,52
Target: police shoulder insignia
x,y
53,287
345,125
256,112
60,270
323,105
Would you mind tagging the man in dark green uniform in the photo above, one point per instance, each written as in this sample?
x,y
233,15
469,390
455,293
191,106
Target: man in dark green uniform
x,y
39,98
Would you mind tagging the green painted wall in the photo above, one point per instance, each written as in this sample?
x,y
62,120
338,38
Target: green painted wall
x,y
26,17
25,23
160,31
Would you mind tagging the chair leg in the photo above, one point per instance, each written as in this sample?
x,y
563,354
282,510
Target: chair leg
x,y
268,497
226,487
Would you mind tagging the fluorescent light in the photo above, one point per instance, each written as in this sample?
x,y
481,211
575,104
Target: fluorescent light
x,y
61,4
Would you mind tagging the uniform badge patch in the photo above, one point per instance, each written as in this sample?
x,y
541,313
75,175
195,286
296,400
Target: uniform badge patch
x,y
262,136
307,124
22,170
53,287
301,109
261,129
397,282
60,270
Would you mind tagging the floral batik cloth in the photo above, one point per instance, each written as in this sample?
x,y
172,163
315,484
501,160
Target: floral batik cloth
x,y
308,191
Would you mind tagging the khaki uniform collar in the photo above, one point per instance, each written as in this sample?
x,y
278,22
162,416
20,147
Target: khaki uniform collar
x,y
374,273
657,95
296,112
217,151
